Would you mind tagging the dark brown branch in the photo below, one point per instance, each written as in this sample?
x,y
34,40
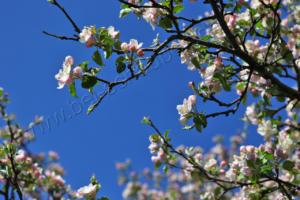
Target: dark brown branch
x,y
67,15
61,37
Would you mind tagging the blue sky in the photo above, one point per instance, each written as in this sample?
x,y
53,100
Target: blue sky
x,y
94,143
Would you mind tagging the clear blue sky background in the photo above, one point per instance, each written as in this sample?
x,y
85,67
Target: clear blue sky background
x,y
93,144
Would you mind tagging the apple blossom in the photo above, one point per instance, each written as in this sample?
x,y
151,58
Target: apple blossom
x,y
266,128
64,75
53,155
86,36
151,15
250,46
77,71
21,156
87,191
114,34
134,45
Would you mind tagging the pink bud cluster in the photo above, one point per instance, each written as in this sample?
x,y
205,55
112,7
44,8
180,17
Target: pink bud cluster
x,y
155,147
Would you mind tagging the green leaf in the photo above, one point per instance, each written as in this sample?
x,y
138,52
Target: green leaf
x,y
104,198
165,169
217,191
266,168
157,165
206,38
88,81
228,5
117,44
165,23
223,81
124,6
107,51
84,66
72,90
97,58
124,12
195,62
288,165
178,9
244,100
200,121
121,67
108,41
240,86
166,134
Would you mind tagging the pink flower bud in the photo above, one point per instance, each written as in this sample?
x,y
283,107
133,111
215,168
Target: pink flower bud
x,y
161,154
198,156
223,163
91,42
251,156
190,85
257,43
218,62
285,22
243,149
53,155
69,81
250,149
192,99
183,120
261,147
77,70
254,90
140,52
279,153
124,46
279,12
222,171
155,159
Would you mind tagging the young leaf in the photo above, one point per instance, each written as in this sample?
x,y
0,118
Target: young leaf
x,y
84,66
72,90
121,67
288,165
178,9
165,23
97,58
124,12
88,81
107,51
